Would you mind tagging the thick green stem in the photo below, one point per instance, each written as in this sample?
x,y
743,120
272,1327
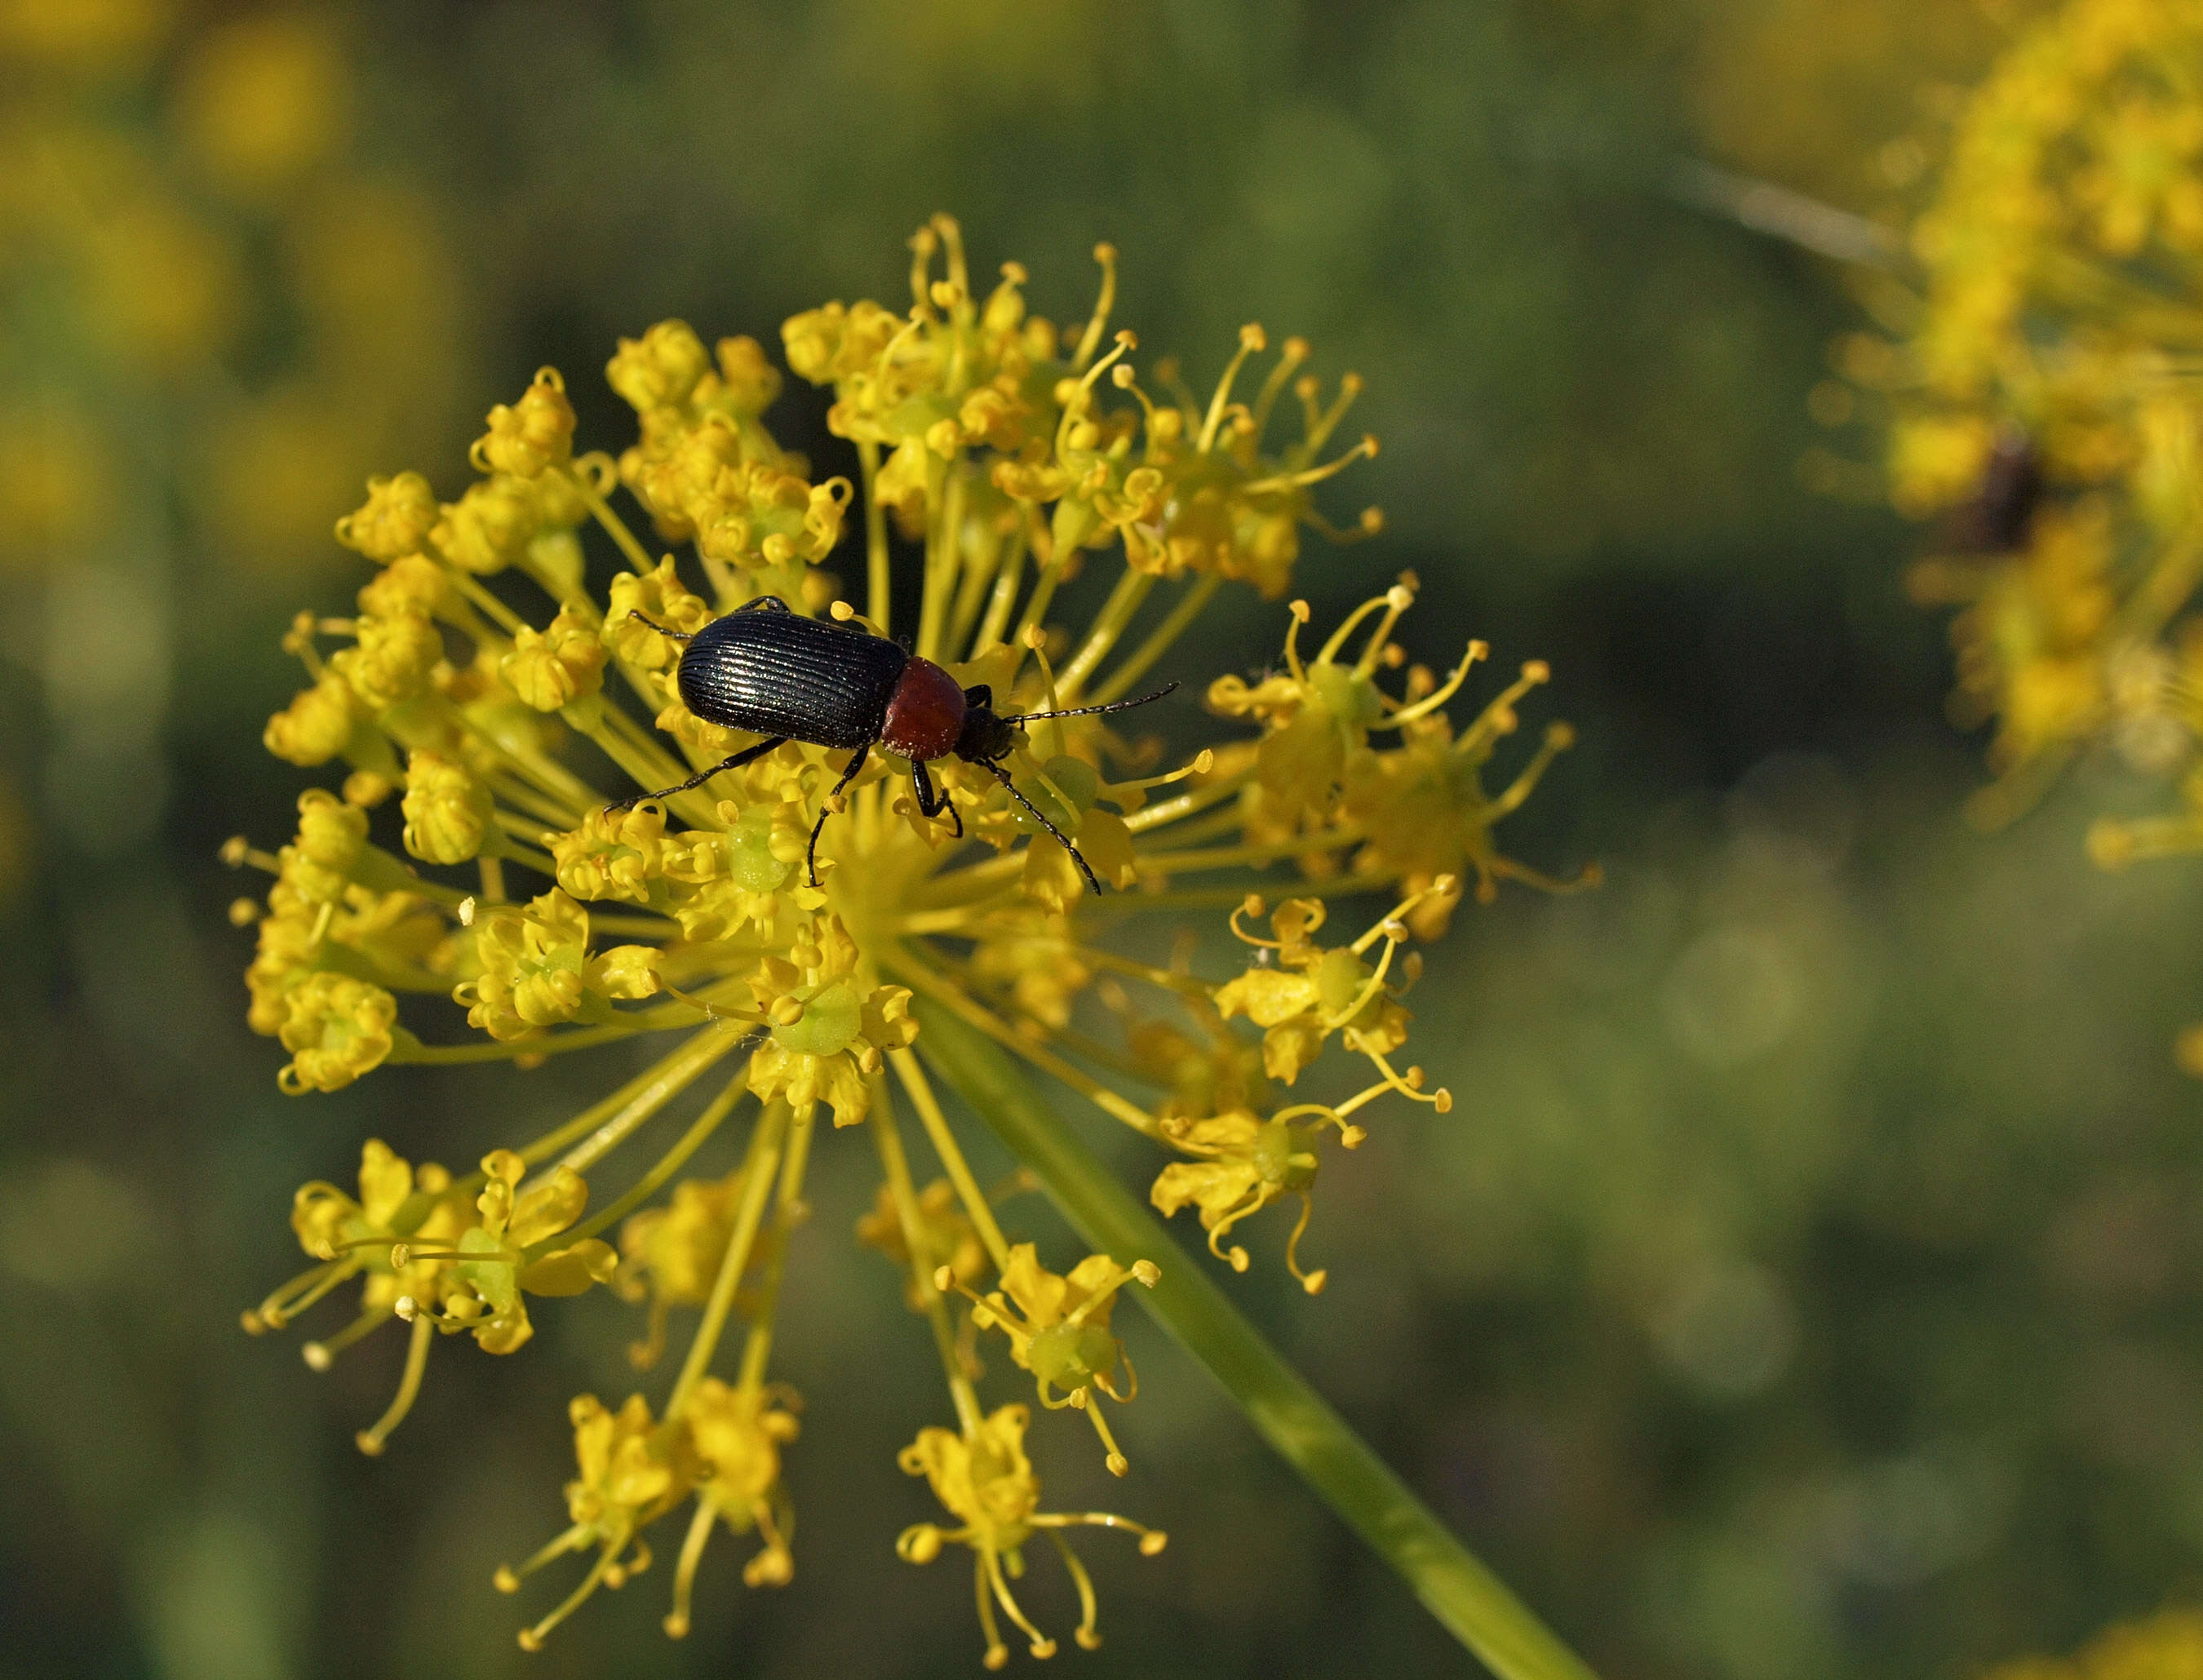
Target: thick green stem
x,y
1467,1598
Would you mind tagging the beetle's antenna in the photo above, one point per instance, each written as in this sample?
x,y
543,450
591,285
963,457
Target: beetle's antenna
x,y
1088,711
1041,817
670,635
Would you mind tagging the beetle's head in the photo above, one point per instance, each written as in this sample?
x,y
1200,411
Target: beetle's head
x,y
985,738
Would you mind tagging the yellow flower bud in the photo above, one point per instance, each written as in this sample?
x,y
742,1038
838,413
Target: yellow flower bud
x,y
336,1028
749,383
531,434
825,345
627,971
661,597
550,668
659,369
449,813
412,585
486,530
331,833
317,725
393,660
394,521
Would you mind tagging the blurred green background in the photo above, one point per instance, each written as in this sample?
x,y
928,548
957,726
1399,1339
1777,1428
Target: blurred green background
x,y
1805,1284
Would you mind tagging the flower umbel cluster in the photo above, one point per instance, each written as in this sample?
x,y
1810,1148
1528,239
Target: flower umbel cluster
x,y
2045,403
464,852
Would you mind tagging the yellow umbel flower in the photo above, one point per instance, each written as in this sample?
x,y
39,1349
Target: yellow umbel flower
x,y
524,632
632,1471
738,1433
1059,1330
983,1477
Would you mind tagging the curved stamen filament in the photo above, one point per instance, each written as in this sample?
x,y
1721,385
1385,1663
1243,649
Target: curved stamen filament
x,y
843,613
1041,1645
370,1441
684,1567
1349,1137
1321,424
1411,1087
1307,475
1301,614
1559,737
1254,904
1251,338
1202,763
320,1355
1089,1609
1090,339
1431,701
1290,355
1370,988
1398,599
919,313
1393,928
1371,522
1188,804
1075,410
1498,715
1112,1456
1236,1256
531,1639
1152,1541
1312,1281
997,1653
294,1297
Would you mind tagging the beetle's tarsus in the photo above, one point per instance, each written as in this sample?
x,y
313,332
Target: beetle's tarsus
x,y
932,801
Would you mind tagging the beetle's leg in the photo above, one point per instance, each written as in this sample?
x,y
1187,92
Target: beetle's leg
x,y
932,801
982,697
1040,816
826,806
670,635
745,756
764,604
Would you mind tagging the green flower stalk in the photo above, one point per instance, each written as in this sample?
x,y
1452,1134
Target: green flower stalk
x,y
467,852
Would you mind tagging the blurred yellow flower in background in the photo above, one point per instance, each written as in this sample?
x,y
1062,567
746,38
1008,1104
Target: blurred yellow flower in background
x,y
178,183
2041,397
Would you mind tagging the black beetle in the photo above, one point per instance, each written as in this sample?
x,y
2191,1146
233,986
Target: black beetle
x,y
764,669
